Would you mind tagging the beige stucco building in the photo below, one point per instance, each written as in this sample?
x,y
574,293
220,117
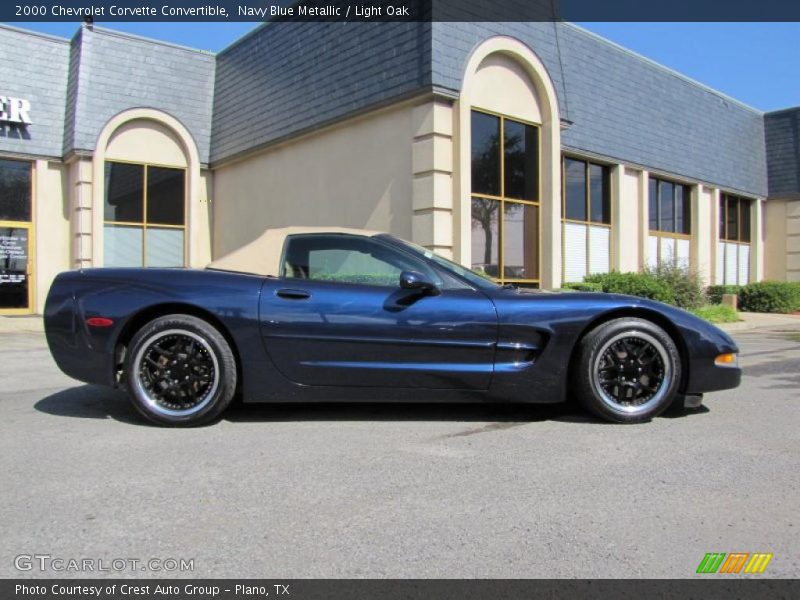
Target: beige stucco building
x,y
132,152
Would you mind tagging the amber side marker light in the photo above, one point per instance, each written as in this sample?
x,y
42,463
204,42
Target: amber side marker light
x,y
99,322
726,360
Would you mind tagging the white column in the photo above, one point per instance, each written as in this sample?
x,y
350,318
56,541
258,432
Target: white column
x,y
51,246
625,205
550,207
715,247
81,212
432,167
757,241
644,218
702,244
199,217
792,249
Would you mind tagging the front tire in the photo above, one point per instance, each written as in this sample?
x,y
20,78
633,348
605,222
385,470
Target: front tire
x,y
627,370
180,371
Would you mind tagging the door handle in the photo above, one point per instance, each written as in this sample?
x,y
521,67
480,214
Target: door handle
x,y
291,294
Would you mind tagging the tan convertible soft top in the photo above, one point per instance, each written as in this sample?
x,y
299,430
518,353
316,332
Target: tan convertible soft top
x,y
262,256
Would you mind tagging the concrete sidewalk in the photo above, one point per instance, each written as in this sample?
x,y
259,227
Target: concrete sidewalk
x,y
761,321
33,323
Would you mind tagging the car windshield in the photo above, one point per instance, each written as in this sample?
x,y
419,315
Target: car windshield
x,y
471,276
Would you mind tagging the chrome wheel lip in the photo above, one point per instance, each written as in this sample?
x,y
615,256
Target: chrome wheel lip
x,y
664,386
152,403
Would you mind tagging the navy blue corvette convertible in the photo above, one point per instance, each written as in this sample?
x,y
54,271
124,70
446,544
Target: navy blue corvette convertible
x,y
313,314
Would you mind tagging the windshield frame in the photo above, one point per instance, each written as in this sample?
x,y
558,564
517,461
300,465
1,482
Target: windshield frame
x,y
453,268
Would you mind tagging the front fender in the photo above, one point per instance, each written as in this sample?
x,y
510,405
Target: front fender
x,y
557,322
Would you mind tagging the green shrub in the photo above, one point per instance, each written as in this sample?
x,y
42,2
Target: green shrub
x,y
770,297
714,293
686,284
582,286
716,313
643,285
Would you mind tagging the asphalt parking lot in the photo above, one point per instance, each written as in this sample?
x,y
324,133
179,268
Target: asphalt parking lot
x,y
400,491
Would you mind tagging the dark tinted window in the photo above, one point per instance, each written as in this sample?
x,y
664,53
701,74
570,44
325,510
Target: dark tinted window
x,y
682,209
505,155
666,206
722,211
575,189
652,198
745,207
733,218
669,206
687,210
485,154
521,147
165,191
15,190
599,194
124,199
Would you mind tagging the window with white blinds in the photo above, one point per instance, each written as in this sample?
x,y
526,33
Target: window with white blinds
x,y
667,249
669,213
575,255
599,249
733,250
586,219
733,264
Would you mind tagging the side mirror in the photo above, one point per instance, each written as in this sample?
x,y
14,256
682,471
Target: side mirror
x,y
414,280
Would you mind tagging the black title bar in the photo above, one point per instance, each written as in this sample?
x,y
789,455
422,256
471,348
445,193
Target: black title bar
x,y
399,10
404,589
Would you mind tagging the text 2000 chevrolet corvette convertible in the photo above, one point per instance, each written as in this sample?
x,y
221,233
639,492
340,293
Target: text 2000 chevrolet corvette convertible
x,y
312,314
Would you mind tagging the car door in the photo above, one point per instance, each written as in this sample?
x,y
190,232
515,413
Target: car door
x,y
338,317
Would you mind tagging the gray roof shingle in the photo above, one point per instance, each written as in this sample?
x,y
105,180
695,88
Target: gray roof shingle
x,y
783,152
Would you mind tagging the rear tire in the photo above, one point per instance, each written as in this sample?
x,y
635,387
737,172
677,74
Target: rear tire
x,y
180,371
627,370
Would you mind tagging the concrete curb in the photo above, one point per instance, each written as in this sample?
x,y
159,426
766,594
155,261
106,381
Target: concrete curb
x,y
22,324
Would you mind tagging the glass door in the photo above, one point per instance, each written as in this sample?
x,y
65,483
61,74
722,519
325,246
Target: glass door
x,y
16,276
14,269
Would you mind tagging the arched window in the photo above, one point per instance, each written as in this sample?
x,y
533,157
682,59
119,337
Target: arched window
x,y
145,186
510,143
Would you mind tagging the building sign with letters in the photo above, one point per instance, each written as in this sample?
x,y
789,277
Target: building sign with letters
x,y
16,111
